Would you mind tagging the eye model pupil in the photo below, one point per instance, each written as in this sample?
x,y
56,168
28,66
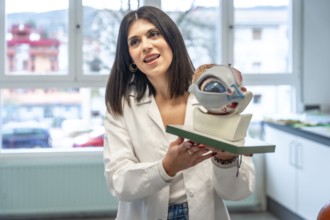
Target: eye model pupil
x,y
214,87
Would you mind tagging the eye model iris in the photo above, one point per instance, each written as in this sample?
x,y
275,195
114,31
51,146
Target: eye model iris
x,y
214,86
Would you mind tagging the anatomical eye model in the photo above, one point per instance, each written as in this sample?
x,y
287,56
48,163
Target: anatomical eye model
x,y
221,98
218,118
219,89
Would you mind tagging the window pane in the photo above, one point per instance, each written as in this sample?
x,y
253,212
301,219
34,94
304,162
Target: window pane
x,y
262,36
101,24
197,21
37,37
52,118
268,100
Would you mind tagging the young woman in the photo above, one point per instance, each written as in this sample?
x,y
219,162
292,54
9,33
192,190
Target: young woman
x,y
153,174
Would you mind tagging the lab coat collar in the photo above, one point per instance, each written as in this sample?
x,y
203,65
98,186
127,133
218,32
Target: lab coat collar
x,y
153,110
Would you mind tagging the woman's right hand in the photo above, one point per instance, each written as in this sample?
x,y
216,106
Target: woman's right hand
x,y
182,155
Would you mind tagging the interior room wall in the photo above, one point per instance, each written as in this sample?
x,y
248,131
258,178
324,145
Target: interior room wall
x,y
316,53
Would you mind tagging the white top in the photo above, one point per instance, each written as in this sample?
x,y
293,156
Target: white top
x,y
134,147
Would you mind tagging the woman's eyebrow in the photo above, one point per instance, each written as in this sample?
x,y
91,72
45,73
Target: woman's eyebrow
x,y
152,29
148,32
132,38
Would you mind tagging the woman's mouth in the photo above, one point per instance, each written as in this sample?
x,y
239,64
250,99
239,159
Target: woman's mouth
x,y
151,58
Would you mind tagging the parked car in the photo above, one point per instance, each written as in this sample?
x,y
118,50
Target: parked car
x,y
91,139
74,127
25,135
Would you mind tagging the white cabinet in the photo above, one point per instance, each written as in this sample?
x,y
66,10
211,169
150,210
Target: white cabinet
x,y
297,173
280,174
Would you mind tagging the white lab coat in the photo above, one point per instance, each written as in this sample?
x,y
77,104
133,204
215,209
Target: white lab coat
x,y
134,147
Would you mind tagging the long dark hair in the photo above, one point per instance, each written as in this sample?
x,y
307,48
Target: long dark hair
x,y
180,71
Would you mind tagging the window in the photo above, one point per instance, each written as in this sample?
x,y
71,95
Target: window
x,y
56,56
37,37
270,44
256,33
46,83
256,66
266,57
198,22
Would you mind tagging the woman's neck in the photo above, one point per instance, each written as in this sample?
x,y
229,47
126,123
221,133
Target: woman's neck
x,y
172,110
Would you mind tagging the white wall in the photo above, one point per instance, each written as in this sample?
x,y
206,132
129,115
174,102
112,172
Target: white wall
x,y
316,52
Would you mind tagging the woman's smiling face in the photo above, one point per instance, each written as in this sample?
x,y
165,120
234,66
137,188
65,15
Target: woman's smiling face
x,y
149,49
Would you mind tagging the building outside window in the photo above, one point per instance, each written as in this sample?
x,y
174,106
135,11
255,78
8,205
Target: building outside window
x,y
256,33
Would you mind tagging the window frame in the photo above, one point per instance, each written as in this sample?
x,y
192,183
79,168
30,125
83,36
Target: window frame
x,y
77,79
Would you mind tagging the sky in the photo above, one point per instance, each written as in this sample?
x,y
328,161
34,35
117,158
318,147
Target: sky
x,y
44,5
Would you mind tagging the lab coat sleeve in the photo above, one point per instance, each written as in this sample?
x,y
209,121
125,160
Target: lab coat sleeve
x,y
127,178
228,186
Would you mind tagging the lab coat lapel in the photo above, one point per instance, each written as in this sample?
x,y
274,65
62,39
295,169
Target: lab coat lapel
x,y
152,108
188,120
154,113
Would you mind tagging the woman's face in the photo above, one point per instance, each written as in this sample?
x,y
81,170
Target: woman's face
x,y
149,49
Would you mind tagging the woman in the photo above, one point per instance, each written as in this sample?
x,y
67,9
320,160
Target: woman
x,y
156,175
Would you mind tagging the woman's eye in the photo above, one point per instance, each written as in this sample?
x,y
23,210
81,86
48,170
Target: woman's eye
x,y
154,34
133,42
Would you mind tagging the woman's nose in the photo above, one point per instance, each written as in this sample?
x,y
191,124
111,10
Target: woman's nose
x,y
146,45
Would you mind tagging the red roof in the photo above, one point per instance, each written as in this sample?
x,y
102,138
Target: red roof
x,y
21,35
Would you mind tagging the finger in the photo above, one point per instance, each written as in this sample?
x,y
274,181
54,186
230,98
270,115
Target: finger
x,y
204,156
194,143
190,152
177,141
209,152
202,152
193,149
195,152
186,146
202,146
